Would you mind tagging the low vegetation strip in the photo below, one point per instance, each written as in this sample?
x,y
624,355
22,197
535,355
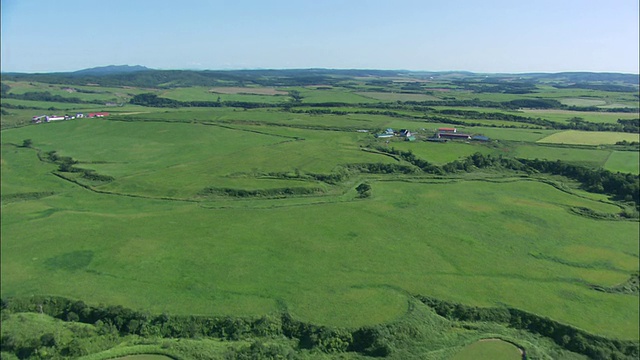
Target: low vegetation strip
x,y
266,193
8,198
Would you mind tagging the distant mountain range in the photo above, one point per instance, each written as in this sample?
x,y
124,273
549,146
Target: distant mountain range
x,y
141,76
111,69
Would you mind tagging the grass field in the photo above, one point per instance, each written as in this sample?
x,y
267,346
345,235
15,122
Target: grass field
x,y
489,349
248,212
582,102
588,137
623,161
592,157
335,263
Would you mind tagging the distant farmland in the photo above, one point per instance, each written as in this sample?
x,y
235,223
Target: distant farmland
x,y
235,222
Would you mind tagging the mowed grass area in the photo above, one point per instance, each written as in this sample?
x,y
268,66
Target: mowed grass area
x,y
489,349
624,161
348,263
589,137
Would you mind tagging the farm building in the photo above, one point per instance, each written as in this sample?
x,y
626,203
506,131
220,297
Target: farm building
x,y
411,138
385,135
389,131
454,136
98,114
79,115
447,130
480,138
38,119
405,133
55,118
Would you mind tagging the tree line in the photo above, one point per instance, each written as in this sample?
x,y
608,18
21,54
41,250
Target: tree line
x,y
622,186
47,96
367,340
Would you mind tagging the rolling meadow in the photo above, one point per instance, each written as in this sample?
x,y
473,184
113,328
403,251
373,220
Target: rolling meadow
x,y
222,220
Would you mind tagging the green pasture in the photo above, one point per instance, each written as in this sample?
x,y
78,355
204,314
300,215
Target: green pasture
x,y
623,161
342,263
524,135
489,349
442,153
588,137
152,240
582,102
592,157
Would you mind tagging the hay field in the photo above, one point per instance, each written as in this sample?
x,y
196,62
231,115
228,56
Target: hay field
x,y
588,137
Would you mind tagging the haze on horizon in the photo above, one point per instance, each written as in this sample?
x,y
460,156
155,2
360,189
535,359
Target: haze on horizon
x,y
493,36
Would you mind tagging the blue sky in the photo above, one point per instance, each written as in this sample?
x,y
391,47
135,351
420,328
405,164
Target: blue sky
x,y
479,35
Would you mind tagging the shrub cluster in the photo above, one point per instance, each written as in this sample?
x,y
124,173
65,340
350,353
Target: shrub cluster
x,y
273,193
66,164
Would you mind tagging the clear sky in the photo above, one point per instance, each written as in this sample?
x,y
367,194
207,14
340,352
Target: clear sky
x,y
433,35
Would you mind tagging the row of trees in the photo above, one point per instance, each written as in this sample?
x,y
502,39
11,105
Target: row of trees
x,y
47,96
123,321
371,341
624,187
153,100
271,193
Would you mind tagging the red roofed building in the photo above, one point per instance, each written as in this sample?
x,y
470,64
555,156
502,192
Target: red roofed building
x,y
447,129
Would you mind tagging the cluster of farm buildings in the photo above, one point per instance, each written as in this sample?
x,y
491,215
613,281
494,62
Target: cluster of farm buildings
x,y
48,118
441,135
